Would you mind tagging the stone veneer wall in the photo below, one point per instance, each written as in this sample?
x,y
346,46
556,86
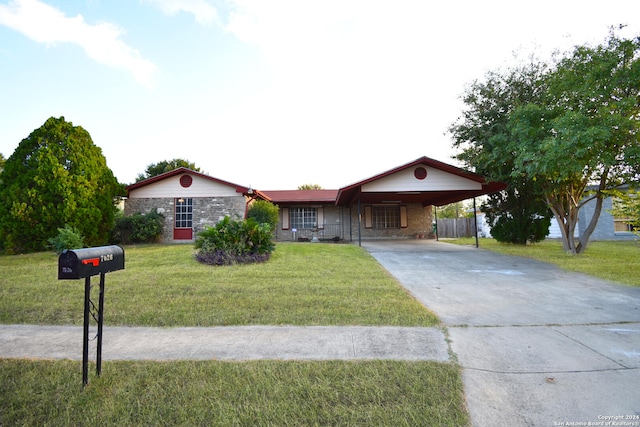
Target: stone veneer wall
x,y
207,211
343,222
419,222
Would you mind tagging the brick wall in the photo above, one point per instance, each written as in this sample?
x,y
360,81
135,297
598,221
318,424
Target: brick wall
x,y
419,221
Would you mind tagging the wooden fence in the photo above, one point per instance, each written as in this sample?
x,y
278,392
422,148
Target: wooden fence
x,y
456,227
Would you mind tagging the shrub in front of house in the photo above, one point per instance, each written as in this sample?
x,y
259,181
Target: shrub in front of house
x,y
264,212
235,242
138,228
68,238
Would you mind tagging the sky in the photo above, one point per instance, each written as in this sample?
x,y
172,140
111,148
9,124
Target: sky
x,y
272,94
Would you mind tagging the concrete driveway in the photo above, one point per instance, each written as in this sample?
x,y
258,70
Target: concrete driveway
x,y
539,346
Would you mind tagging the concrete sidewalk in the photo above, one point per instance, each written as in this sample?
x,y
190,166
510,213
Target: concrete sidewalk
x,y
539,346
227,343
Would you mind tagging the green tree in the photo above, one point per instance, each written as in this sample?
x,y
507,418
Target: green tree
x,y
452,210
584,131
2,160
56,177
155,169
264,212
309,187
518,214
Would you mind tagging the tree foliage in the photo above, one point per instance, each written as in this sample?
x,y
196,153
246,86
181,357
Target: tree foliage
x,y
67,238
453,210
264,212
55,177
582,141
309,187
138,228
578,138
155,169
518,214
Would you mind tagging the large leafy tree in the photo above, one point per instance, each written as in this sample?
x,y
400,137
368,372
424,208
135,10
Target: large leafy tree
x,y
55,177
581,139
518,214
155,169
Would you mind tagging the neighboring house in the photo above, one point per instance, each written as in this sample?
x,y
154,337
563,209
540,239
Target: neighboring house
x,y
394,204
609,227
188,200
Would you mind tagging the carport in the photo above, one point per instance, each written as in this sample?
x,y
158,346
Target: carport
x,y
424,181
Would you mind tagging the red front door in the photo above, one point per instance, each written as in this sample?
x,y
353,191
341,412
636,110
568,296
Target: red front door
x,y
183,224
182,233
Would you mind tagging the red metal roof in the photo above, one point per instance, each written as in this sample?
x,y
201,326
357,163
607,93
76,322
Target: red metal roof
x,y
300,196
183,170
352,193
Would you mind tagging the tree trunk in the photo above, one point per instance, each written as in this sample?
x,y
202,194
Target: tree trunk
x,y
565,207
566,214
584,237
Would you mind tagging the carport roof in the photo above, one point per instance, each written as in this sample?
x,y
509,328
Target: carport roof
x,y
424,180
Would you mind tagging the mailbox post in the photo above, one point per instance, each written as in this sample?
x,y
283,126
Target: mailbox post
x,y
82,264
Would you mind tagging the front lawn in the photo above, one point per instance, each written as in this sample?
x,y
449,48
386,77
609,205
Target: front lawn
x,y
303,284
211,393
163,285
615,261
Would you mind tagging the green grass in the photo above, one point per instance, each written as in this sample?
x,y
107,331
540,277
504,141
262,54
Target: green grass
x,y
163,285
264,393
615,261
302,284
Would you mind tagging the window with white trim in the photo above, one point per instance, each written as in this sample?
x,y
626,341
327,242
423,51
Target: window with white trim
x,y
184,213
303,218
385,217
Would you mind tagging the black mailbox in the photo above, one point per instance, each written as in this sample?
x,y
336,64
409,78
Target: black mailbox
x,y
82,263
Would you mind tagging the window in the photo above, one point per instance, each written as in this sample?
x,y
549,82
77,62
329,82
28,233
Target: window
x,y
304,218
184,213
385,216
621,217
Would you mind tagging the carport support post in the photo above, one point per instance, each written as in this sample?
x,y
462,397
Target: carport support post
x,y
475,221
435,213
85,335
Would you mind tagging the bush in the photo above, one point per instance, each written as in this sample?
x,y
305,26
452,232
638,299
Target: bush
x,y
235,242
67,238
264,213
138,228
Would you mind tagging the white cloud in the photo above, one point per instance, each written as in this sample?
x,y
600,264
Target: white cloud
x,y
46,24
203,12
